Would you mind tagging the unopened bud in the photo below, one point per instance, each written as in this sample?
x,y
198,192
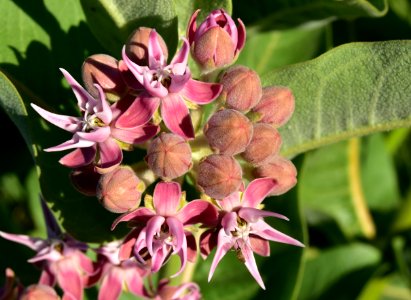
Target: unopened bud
x,y
39,291
228,131
219,175
169,156
280,169
137,46
276,106
241,88
265,143
120,190
103,70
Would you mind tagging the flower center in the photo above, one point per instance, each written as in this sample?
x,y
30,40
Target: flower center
x,y
92,122
242,230
163,76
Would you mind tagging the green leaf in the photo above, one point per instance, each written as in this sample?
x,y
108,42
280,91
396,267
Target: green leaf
x,y
353,90
113,21
326,268
390,287
286,13
265,51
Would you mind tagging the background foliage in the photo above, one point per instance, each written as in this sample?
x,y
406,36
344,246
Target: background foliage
x,y
348,63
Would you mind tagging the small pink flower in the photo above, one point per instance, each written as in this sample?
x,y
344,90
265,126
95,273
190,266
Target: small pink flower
x,y
185,291
161,232
96,133
171,84
243,228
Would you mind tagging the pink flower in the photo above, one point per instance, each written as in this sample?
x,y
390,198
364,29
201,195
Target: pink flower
x,y
185,291
217,41
100,127
243,228
171,84
160,232
115,275
61,258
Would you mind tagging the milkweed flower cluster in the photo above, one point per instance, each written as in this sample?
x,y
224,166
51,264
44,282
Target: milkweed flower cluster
x,y
144,100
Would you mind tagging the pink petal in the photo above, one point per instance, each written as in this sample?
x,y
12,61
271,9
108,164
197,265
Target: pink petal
x,y
126,248
134,282
265,231
98,135
155,53
110,156
112,284
68,278
229,222
134,68
33,243
104,112
198,211
224,244
137,135
259,246
68,123
252,215
141,214
257,190
85,263
83,97
230,202
79,157
179,79
177,231
241,36
139,112
176,116
208,240
181,56
159,258
75,142
183,257
192,26
47,277
201,92
152,228
191,246
166,198
251,264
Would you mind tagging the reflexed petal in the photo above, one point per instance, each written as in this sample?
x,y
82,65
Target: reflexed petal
x,y
134,282
229,222
224,244
241,36
141,214
152,228
68,123
166,198
176,116
265,231
33,243
126,248
159,258
260,246
83,97
134,68
230,202
104,112
68,278
79,157
198,211
201,92
208,240
155,53
192,26
251,264
181,56
137,135
191,246
177,231
98,135
183,257
257,190
112,284
71,144
85,262
139,112
110,156
252,215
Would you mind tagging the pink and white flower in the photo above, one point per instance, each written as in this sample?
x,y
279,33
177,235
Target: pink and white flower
x,y
97,132
243,228
170,84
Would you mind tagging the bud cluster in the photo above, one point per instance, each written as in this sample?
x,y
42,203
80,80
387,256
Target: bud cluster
x,y
144,100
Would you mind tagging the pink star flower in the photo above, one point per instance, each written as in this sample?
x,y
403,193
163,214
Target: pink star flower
x,y
100,128
171,84
244,230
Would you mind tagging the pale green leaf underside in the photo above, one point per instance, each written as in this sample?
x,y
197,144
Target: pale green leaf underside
x,y
353,90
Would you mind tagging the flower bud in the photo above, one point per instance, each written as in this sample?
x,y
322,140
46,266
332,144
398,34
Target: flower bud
x,y
120,190
241,88
169,156
103,69
137,46
265,143
228,131
85,180
39,291
219,175
217,41
280,169
276,106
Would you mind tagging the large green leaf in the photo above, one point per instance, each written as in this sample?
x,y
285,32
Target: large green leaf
x,y
113,21
269,14
324,269
352,90
345,180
